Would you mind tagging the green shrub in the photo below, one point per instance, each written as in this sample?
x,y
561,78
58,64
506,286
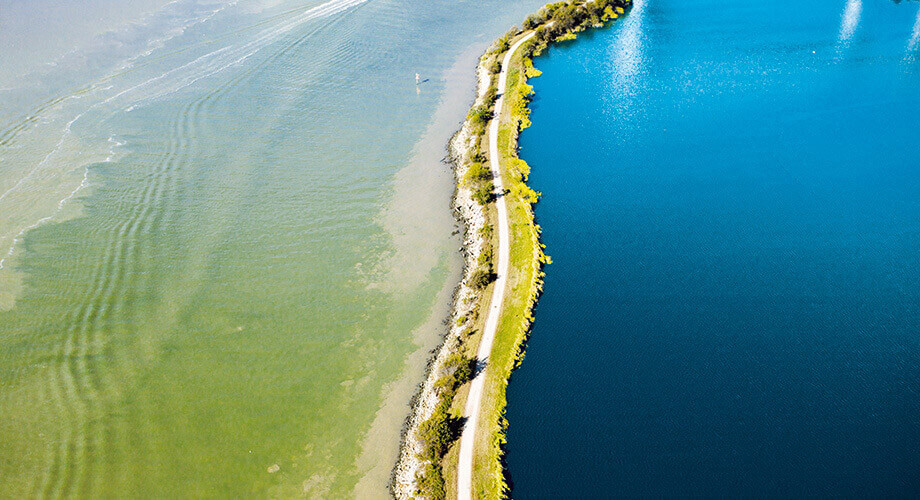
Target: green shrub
x,y
529,49
490,97
533,21
480,114
485,256
483,194
496,66
482,277
445,385
502,45
460,368
430,482
439,431
478,172
477,155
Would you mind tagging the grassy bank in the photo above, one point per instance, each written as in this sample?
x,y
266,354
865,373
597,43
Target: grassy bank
x,y
436,434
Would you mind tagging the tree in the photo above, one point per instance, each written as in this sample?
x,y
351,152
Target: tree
x,y
478,172
483,194
482,278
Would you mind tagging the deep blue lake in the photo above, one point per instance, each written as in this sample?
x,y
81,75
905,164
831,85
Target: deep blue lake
x,y
731,198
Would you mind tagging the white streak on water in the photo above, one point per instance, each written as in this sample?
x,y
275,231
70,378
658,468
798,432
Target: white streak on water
x,y
156,43
628,57
45,160
222,59
61,203
39,222
914,41
848,24
176,79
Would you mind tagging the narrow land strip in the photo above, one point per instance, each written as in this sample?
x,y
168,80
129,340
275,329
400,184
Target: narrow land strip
x,y
474,398
453,445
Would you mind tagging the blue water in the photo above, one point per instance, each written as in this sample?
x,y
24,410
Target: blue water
x,y
731,198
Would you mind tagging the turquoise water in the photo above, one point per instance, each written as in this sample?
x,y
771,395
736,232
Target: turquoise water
x,y
226,239
730,198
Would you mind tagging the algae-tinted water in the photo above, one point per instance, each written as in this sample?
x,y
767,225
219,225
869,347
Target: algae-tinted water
x,y
225,236
731,198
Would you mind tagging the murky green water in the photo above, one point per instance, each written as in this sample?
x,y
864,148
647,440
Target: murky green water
x,y
226,240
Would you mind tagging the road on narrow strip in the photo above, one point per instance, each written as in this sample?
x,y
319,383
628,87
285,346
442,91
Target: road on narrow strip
x,y
474,399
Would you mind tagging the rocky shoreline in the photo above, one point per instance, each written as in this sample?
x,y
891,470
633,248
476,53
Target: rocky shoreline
x,y
471,216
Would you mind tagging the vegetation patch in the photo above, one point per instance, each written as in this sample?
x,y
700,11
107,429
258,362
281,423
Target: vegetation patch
x,y
443,427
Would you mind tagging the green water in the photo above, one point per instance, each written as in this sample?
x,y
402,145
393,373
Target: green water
x,y
227,244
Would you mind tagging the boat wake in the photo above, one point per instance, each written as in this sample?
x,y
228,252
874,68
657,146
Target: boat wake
x,y
28,200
